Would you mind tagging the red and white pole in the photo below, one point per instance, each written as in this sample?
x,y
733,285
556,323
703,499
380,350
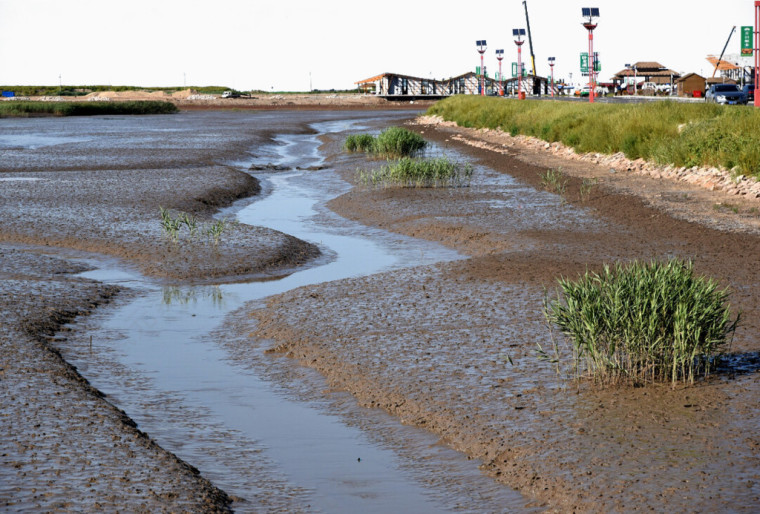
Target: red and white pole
x,y
482,77
552,67
591,65
757,52
519,69
501,83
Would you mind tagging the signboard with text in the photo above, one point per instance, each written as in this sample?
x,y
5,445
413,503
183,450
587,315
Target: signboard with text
x,y
584,63
747,33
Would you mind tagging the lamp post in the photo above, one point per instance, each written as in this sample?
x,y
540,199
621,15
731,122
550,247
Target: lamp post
x,y
518,35
551,65
500,57
481,50
590,13
757,52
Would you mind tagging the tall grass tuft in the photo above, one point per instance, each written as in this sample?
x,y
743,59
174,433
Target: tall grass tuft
x,y
391,143
408,172
680,134
643,322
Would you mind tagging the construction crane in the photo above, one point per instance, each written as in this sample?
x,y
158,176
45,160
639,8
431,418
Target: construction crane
x,y
530,39
723,52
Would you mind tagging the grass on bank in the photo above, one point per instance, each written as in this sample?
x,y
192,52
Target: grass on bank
x,y
24,109
680,134
391,143
409,172
642,322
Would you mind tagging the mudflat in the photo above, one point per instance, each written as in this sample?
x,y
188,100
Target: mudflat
x,y
452,347
448,347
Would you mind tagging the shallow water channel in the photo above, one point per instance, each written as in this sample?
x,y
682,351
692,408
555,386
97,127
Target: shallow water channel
x,y
158,357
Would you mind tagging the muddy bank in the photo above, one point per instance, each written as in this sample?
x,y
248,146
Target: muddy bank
x,y
63,446
433,344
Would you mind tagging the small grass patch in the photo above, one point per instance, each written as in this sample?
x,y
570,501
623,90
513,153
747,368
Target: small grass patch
x,y
642,322
391,143
554,181
408,172
173,227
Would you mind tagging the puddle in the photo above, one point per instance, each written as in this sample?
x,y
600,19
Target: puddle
x,y
156,358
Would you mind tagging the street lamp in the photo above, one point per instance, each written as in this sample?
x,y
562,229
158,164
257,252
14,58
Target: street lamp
x,y
518,34
551,65
590,13
757,52
500,57
481,50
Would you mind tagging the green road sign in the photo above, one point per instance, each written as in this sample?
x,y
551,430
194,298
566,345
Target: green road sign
x,y
747,34
584,63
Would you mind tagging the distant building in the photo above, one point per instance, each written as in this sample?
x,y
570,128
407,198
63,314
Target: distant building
x,y
398,86
646,71
691,85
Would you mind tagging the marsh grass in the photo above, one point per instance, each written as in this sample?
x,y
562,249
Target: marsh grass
x,y
25,109
641,322
172,226
554,181
391,143
408,172
587,186
680,134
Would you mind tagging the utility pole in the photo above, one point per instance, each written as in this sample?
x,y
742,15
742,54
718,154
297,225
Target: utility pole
x,y
717,65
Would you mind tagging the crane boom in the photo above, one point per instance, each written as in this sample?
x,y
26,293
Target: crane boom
x,y
724,51
530,39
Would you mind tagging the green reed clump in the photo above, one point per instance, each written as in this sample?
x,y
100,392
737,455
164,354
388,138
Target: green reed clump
x,y
680,134
408,172
26,108
391,143
643,322
360,143
395,142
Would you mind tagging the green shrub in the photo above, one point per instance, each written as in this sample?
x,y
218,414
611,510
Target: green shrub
x,y
643,322
408,172
393,142
360,143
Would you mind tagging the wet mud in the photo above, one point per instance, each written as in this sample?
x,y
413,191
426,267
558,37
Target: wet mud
x,y
449,347
452,347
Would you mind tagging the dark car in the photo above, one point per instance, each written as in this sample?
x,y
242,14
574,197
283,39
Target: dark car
x,y
725,94
749,92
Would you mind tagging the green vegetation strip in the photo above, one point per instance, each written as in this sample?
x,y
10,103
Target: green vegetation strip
x,y
393,142
642,322
679,134
24,108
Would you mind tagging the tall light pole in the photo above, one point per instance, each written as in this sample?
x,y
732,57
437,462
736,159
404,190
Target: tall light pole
x,y
500,57
481,50
757,52
590,24
519,34
551,65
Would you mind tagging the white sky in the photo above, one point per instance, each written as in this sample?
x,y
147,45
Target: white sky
x,y
252,44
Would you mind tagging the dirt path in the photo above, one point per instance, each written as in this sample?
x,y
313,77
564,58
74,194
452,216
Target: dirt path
x,y
432,344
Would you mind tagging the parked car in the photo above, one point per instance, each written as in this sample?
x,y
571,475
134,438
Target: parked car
x,y
727,94
749,92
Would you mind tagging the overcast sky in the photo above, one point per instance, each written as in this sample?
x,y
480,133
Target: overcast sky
x,y
292,44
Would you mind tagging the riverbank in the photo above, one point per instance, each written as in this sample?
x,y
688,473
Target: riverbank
x,y
452,347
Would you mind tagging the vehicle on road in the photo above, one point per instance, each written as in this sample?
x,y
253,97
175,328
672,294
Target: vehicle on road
x,y
749,92
726,94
